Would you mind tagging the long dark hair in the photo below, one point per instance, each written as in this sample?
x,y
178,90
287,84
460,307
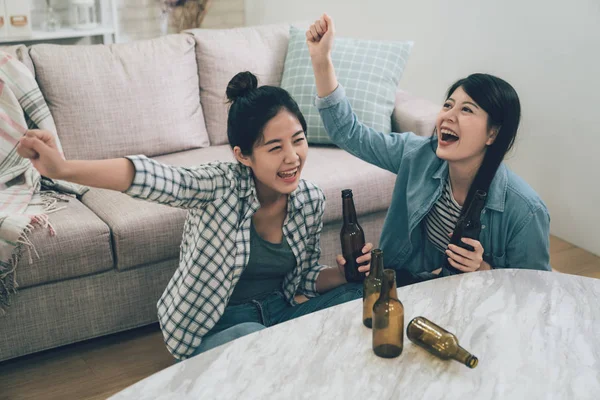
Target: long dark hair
x,y
252,107
501,102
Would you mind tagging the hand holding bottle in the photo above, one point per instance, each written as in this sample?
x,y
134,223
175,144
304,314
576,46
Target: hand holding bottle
x,y
365,258
465,251
465,260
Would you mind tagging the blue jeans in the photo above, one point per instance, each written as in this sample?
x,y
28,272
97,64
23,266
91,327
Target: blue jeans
x,y
243,319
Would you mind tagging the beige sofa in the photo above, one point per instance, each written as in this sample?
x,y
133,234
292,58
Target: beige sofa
x,y
112,256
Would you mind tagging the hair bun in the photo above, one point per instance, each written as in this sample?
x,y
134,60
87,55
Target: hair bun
x,y
240,85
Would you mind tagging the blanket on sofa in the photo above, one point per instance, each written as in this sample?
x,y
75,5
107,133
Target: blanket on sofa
x,y
23,205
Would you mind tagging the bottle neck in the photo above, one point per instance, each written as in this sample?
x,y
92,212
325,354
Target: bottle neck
x,y
388,286
466,358
476,206
376,265
469,223
348,210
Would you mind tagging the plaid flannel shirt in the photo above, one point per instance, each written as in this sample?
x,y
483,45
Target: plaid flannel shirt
x,y
215,247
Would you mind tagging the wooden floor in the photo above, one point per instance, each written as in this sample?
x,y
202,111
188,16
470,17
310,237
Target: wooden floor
x,y
101,367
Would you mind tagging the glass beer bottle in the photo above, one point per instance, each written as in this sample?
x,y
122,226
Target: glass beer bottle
x,y
372,286
388,319
438,341
467,226
352,238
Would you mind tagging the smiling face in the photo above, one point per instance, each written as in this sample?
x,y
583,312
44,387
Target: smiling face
x,y
462,129
278,157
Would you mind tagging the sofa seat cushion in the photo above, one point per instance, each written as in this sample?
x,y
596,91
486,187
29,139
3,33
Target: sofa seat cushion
x,y
113,100
81,246
145,232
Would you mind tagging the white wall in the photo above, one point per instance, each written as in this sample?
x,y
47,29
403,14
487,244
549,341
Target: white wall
x,y
548,50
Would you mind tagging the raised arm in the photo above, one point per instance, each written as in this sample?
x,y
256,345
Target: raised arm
x,y
341,123
138,176
319,38
39,146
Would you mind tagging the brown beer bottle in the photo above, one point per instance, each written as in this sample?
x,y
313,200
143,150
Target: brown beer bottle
x,y
352,238
438,341
372,286
388,319
467,226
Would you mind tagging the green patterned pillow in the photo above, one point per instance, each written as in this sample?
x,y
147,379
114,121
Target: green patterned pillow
x,y
369,70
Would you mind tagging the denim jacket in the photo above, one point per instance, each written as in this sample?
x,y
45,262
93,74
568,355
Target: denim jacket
x,y
515,221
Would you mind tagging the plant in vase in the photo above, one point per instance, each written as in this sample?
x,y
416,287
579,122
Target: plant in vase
x,y
51,19
183,14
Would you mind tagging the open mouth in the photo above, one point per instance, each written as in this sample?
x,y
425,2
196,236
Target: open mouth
x,y
288,175
448,136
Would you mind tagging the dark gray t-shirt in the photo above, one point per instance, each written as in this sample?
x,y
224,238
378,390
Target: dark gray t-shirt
x,y
267,266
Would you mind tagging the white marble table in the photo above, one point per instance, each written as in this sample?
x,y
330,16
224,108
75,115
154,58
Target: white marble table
x,y
536,334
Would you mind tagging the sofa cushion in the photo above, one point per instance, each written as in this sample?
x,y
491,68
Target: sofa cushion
x,y
82,246
21,53
333,170
369,70
414,114
145,232
222,53
114,100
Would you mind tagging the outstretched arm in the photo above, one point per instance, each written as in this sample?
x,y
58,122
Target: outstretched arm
x,y
39,146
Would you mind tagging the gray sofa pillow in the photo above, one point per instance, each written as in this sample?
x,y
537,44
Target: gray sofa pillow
x,y
133,98
222,53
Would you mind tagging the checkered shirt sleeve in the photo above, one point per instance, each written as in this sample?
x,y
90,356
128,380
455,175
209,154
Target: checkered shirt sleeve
x,y
179,186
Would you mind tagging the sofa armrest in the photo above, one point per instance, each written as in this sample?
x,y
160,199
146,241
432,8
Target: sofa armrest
x,y
414,114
